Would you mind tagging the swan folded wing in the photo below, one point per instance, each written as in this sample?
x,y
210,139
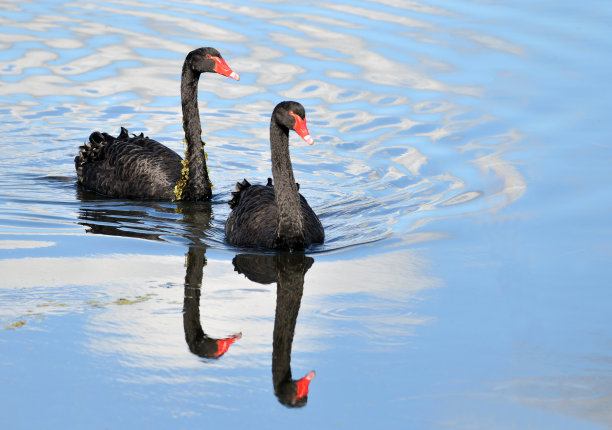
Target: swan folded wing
x,y
136,167
146,169
254,218
314,232
254,221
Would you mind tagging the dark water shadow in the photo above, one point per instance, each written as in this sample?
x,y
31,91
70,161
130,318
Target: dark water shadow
x,y
184,222
173,222
287,270
121,218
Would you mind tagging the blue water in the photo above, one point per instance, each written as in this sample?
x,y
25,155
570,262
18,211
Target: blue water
x,y
460,169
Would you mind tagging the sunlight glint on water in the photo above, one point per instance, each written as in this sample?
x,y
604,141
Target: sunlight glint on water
x,y
375,161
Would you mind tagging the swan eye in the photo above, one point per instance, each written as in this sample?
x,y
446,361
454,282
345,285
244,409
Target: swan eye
x,y
208,56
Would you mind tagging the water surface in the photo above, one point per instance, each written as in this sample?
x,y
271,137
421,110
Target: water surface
x,y
461,172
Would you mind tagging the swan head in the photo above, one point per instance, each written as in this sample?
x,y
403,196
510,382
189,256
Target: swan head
x,y
292,115
203,60
294,394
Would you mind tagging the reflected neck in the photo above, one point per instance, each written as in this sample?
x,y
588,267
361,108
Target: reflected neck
x,y
290,286
191,305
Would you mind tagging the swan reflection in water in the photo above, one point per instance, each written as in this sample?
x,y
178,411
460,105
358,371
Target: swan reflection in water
x,y
157,221
199,342
287,270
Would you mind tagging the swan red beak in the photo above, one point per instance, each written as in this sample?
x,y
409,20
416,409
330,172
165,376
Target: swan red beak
x,y
302,385
224,344
301,129
222,68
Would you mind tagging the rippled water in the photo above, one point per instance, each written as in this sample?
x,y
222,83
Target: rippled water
x,y
460,169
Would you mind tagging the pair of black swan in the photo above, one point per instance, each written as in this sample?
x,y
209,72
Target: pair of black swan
x,y
137,167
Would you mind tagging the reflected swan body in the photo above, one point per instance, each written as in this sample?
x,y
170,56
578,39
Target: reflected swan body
x,y
288,271
137,167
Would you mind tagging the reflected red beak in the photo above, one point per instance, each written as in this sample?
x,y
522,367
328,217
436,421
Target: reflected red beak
x,y
222,68
224,344
301,129
302,384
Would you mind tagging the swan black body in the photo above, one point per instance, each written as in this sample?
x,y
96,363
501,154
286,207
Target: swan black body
x,y
128,167
137,167
275,216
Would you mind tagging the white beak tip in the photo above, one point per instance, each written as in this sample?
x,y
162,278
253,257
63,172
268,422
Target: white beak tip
x,y
234,75
308,139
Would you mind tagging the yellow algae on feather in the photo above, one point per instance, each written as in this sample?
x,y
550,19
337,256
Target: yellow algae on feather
x,y
182,182
180,185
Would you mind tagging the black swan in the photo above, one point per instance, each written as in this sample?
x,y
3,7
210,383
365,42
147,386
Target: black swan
x,y
137,167
275,216
288,271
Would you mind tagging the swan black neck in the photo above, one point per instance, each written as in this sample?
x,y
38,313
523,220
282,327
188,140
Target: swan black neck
x,y
290,230
194,183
